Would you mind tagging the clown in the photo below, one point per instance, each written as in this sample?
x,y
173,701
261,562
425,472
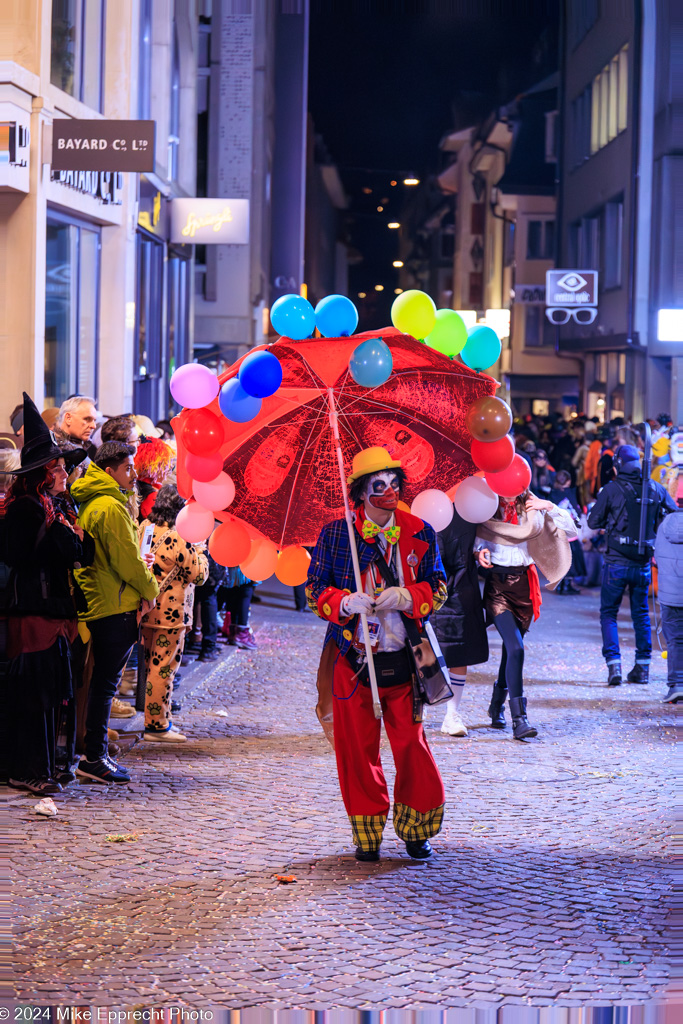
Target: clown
x,y
409,550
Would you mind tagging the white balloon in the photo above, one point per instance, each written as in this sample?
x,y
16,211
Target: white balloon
x,y
475,501
434,507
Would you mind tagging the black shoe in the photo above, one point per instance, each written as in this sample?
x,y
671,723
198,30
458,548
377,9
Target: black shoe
x,y
497,708
64,776
210,655
614,674
104,770
521,729
176,706
420,849
41,787
571,589
674,695
366,855
639,674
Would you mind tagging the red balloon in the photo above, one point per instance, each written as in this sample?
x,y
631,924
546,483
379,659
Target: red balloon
x,y
489,418
204,469
202,433
493,456
230,544
512,481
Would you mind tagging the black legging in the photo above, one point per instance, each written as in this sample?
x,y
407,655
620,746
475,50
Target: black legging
x,y
512,658
237,601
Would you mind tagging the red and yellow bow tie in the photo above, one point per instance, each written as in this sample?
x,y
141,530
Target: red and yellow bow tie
x,y
370,530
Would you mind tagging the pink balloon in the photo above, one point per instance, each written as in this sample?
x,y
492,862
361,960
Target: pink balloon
x,y
475,501
194,523
217,494
194,386
434,507
262,560
203,467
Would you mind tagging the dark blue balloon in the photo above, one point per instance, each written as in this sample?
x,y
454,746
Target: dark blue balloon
x,y
292,316
336,316
260,374
236,404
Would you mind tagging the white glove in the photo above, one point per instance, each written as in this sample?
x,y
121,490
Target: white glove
x,y
355,604
394,599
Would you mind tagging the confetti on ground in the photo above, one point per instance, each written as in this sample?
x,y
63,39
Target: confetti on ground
x,y
122,837
285,879
221,713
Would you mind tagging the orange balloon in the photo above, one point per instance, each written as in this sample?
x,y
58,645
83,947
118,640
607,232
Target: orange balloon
x,y
230,544
262,560
403,507
292,566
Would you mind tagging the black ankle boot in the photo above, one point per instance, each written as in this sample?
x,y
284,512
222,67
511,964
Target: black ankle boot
x,y
497,708
640,673
614,674
520,723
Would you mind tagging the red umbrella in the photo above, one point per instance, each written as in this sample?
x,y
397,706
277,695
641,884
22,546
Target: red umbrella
x,y
284,462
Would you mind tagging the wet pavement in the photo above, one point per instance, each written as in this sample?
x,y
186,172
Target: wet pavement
x,y
550,883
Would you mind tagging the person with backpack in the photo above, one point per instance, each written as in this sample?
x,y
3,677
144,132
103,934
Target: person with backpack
x,y
617,511
669,559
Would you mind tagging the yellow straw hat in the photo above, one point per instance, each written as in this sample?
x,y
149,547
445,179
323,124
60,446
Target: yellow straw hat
x,y
371,460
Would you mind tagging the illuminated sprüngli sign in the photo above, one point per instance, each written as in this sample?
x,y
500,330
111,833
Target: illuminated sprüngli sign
x,y
210,221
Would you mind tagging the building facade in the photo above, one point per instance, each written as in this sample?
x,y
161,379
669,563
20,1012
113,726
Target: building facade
x,y
620,201
93,298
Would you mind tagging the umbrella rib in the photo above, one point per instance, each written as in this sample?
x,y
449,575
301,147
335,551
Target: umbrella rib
x,y
388,408
320,412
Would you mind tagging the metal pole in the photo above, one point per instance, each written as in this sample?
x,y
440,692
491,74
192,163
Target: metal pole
x,y
334,423
646,434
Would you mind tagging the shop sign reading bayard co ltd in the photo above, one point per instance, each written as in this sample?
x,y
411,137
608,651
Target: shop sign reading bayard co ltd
x,y
104,145
210,221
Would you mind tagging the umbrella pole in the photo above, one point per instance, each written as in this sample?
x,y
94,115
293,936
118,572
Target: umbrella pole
x,y
334,423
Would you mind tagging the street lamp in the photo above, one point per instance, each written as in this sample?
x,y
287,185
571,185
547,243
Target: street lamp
x,y
379,287
411,181
398,263
393,224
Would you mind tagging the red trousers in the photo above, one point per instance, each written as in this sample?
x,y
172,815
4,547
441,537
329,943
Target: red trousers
x,y
418,790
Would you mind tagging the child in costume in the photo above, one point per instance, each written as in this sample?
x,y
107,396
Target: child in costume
x,y
408,547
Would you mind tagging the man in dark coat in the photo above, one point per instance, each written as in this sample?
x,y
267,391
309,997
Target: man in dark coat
x,y
460,626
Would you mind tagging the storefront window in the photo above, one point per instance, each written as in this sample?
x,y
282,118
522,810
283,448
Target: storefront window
x,y
178,313
77,56
150,324
71,309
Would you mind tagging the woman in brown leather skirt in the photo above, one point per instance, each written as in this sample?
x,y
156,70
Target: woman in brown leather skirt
x,y
524,532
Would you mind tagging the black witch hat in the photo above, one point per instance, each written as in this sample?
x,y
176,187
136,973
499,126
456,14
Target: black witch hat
x,y
40,446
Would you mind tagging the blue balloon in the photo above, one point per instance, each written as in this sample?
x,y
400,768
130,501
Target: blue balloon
x,y
236,404
260,374
293,317
336,316
482,348
371,363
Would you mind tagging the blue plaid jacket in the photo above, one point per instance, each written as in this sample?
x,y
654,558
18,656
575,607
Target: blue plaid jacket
x,y
330,575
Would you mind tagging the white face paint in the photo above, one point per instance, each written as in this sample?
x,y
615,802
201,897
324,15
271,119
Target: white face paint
x,y
383,491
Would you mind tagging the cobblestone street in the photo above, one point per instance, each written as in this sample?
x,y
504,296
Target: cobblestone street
x,y
549,883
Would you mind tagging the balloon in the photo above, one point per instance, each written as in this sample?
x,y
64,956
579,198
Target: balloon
x,y
336,316
292,566
371,363
194,523
202,433
513,480
194,385
482,348
489,418
261,562
293,317
230,544
260,374
475,501
204,468
449,333
235,404
217,494
434,507
413,312
493,456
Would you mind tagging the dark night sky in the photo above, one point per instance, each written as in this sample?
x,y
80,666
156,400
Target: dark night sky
x,y
385,84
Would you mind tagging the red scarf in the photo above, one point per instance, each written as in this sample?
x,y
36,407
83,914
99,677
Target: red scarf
x,y
509,512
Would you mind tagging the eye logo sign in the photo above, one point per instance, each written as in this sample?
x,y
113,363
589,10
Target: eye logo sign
x,y
571,294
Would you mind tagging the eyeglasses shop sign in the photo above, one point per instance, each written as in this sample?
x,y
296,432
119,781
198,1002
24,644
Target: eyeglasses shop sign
x,y
210,221
79,145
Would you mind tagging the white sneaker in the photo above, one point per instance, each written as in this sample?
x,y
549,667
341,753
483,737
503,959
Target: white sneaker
x,y
171,735
121,709
453,724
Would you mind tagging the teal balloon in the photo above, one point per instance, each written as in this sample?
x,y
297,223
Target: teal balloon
x,y
371,363
292,316
336,316
482,348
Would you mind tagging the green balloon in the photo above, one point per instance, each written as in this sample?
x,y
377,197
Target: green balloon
x,y
449,333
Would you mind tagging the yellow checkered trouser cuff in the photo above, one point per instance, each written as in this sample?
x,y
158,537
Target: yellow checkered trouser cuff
x,y
367,830
411,826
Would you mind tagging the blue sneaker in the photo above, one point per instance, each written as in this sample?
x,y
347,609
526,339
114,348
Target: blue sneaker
x,y
104,770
